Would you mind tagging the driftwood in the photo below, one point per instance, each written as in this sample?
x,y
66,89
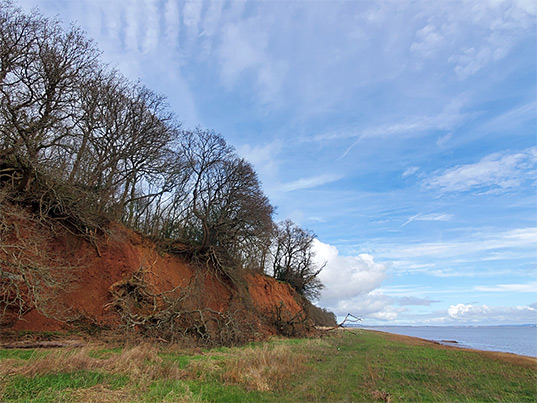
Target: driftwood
x,y
349,318
43,344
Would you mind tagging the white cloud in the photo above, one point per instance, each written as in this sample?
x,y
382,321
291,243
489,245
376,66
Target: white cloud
x,y
263,157
410,171
235,9
238,53
466,313
403,290
307,183
377,306
499,171
514,239
131,32
428,42
429,217
433,217
530,287
151,26
211,21
346,277
444,140
403,301
367,307
490,28
192,16
244,52
172,24
404,268
411,127
510,119
110,23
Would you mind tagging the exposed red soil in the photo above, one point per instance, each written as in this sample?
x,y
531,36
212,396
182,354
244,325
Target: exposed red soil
x,y
114,258
266,293
33,320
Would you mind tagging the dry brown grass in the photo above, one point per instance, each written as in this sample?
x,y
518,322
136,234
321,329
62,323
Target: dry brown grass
x,y
100,394
202,369
140,362
265,368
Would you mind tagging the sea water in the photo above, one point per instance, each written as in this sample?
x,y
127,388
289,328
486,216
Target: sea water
x,y
520,340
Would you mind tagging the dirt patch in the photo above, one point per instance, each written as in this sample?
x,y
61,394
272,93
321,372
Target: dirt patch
x,y
108,262
35,321
268,293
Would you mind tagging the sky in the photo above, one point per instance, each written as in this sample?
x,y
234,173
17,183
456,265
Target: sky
x,y
403,133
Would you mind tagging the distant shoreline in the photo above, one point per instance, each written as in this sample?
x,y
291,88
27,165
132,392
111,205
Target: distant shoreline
x,y
418,341
520,340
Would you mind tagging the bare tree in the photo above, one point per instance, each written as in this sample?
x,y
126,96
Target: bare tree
x,y
227,209
292,259
147,152
41,69
206,153
242,218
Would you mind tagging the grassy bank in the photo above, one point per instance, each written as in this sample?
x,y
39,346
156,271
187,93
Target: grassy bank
x,y
355,366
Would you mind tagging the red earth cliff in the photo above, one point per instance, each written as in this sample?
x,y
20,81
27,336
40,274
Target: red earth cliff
x,y
100,267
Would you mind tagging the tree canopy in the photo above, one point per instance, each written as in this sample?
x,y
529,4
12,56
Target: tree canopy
x,y
83,143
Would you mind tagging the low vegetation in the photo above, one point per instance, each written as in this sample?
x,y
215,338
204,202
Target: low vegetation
x,y
343,366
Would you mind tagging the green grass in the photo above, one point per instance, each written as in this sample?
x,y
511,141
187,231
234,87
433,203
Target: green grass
x,y
217,392
183,360
104,353
347,366
17,354
54,387
166,390
372,365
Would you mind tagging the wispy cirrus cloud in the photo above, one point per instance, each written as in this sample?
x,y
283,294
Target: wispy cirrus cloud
x,y
529,287
171,23
479,33
411,127
429,217
505,23
410,171
496,172
414,127
404,268
192,16
263,157
243,52
522,239
495,314
409,300
311,182
428,42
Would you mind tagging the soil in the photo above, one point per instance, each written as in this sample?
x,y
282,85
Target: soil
x,y
110,260
266,293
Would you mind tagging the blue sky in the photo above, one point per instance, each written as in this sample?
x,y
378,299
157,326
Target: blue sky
x,y
403,133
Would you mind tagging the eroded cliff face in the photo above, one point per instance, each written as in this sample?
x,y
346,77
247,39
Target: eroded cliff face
x,y
122,280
